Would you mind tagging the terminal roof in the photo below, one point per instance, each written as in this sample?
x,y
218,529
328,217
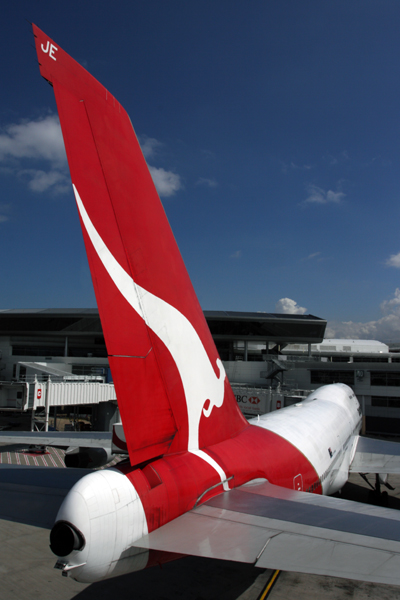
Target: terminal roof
x,y
224,325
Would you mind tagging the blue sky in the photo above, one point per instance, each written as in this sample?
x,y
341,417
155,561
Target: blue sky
x,y
272,131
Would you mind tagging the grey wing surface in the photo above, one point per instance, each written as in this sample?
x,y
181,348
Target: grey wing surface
x,y
87,439
376,456
272,527
33,495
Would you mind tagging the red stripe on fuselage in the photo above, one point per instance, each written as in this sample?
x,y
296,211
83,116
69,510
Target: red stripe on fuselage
x,y
176,482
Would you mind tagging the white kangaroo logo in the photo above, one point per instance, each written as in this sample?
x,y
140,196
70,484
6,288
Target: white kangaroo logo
x,y
200,383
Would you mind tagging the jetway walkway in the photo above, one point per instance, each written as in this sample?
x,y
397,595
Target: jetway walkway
x,y
39,397
24,395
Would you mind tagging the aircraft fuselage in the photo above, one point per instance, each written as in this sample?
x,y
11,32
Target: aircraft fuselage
x,y
306,447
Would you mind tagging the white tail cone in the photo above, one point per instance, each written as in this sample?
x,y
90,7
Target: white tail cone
x,y
99,520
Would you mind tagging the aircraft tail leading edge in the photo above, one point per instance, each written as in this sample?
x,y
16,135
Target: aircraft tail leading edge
x,y
171,386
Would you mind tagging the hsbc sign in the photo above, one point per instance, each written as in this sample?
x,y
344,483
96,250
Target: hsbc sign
x,y
254,400
251,401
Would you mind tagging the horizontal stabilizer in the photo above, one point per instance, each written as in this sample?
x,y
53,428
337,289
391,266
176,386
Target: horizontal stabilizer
x,y
277,528
376,456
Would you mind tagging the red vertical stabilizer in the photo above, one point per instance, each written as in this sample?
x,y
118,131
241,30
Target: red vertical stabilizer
x,y
171,386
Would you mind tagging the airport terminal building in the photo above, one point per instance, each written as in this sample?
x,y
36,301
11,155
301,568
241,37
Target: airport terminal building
x,y
58,358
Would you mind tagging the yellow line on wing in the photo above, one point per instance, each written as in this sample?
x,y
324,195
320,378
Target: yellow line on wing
x,y
270,584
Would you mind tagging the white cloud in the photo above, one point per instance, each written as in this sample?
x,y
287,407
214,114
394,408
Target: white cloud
x,y
149,146
209,154
24,144
314,255
317,195
394,261
384,329
41,181
393,305
39,139
288,306
212,183
236,254
340,158
294,167
300,167
4,208
166,182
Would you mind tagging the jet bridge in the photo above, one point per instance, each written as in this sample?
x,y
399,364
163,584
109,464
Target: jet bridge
x,y
47,386
14,395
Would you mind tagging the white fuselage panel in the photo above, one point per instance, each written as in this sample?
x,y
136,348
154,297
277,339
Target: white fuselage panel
x,y
324,427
